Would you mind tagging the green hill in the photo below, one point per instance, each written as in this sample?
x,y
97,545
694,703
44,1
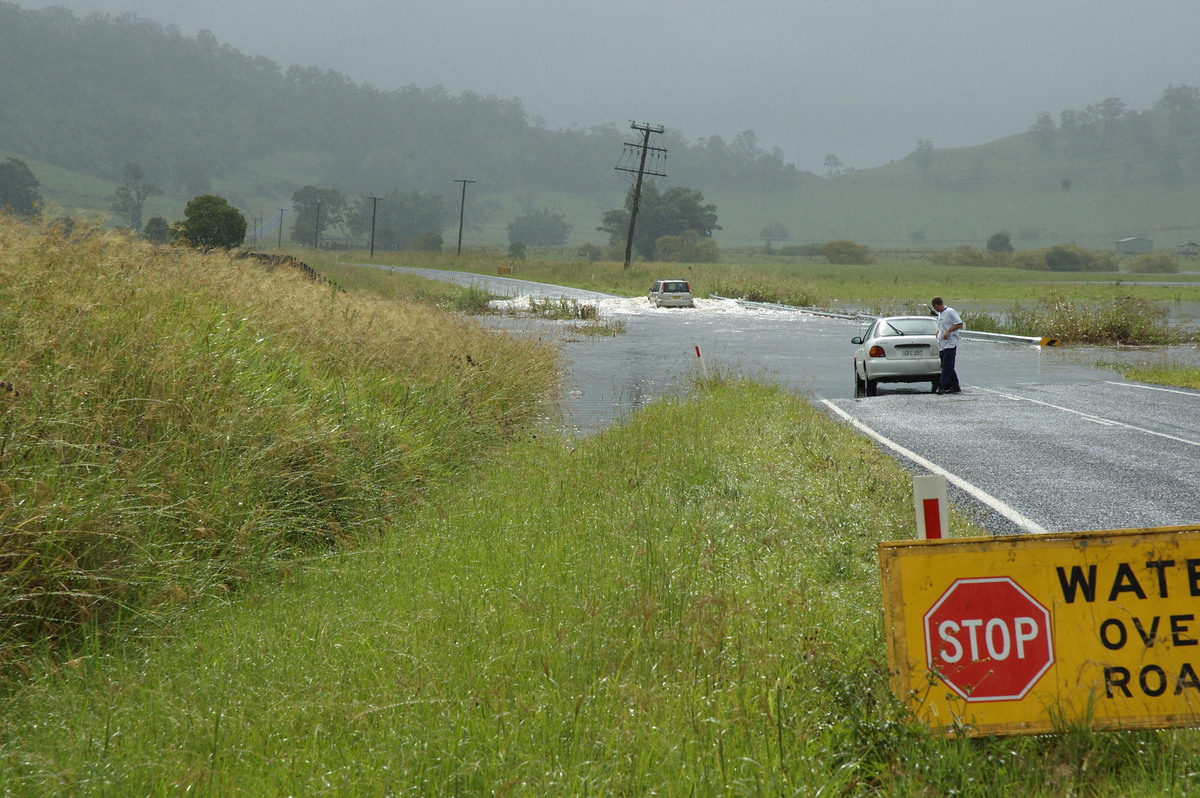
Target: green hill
x,y
82,98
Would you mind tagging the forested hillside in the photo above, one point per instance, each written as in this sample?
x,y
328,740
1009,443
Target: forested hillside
x,y
94,95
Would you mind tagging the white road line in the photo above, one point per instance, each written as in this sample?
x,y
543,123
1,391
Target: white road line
x,y
1145,387
1093,418
1026,524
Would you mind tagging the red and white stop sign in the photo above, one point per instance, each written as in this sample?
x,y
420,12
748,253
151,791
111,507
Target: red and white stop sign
x,y
988,639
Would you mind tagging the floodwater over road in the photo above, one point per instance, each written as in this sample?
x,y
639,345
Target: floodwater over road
x,y
807,354
656,355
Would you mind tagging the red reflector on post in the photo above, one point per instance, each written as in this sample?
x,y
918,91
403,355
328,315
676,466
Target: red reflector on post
x,y
929,500
933,519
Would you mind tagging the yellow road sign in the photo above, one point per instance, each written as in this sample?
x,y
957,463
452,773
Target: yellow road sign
x,y
1032,633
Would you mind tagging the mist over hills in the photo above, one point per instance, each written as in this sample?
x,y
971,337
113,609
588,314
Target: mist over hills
x,y
92,95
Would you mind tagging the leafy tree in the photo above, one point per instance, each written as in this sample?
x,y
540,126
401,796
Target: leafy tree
x,y
400,218
776,231
516,250
1042,132
833,167
210,222
20,191
157,230
1182,103
1000,242
539,229
318,209
1108,110
130,197
670,213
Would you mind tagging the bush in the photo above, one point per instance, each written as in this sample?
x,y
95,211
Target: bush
x,y
1062,258
1000,242
1070,258
969,256
847,253
1157,263
157,230
516,250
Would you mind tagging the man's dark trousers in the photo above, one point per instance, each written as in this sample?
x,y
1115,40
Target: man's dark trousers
x,y
949,378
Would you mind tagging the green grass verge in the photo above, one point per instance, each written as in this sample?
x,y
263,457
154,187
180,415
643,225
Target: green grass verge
x,y
684,604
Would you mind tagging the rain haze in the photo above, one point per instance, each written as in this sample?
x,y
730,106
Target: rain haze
x,y
863,81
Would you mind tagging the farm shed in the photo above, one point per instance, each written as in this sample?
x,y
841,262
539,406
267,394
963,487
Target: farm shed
x,y
1135,246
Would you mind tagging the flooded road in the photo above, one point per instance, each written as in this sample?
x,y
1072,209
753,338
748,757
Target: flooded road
x,y
1039,440
656,355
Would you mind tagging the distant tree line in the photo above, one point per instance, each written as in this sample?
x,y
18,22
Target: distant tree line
x,y
98,93
1154,135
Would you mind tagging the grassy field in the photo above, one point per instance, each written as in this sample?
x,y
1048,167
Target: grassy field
x,y
260,536
1077,308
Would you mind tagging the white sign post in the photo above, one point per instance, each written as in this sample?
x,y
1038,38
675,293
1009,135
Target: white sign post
x,y
929,501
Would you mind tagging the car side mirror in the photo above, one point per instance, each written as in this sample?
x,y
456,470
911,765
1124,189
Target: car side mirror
x,y
856,339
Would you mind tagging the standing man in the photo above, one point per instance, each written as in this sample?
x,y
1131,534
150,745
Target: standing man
x,y
949,323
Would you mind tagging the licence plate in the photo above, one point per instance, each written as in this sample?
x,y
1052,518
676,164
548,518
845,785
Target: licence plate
x,y
913,352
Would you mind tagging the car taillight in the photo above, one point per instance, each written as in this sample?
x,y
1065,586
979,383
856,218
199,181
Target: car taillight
x,y
877,351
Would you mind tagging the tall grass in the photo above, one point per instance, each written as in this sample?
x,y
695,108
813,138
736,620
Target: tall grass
x,y
179,423
1125,320
685,604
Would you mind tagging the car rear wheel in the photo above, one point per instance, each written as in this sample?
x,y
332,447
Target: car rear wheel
x,y
860,386
872,387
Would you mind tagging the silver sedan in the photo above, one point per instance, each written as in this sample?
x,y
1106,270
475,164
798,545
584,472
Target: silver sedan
x,y
896,349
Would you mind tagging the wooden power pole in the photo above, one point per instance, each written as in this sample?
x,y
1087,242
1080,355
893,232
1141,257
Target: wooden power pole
x,y
461,208
645,148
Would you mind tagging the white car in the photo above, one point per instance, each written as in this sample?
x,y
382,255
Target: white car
x,y
671,294
896,349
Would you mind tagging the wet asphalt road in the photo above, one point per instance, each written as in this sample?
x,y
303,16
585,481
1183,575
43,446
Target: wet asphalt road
x,y
1035,442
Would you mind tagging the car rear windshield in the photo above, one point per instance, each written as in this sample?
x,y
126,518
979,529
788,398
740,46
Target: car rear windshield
x,y
676,288
907,327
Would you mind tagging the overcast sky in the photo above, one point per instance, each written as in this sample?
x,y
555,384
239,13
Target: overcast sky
x,y
860,79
